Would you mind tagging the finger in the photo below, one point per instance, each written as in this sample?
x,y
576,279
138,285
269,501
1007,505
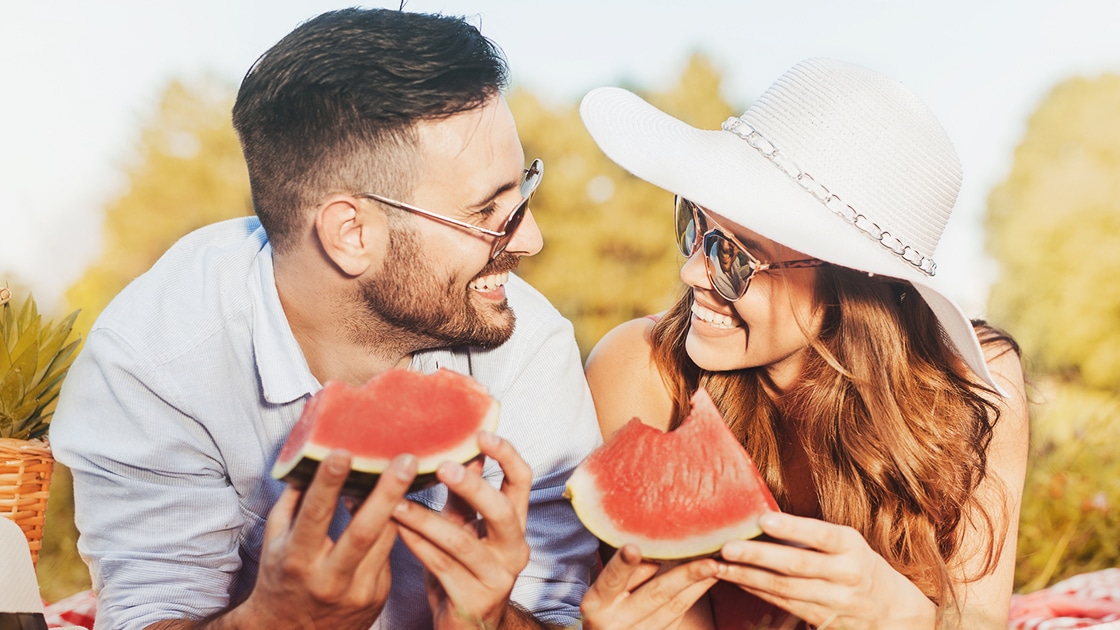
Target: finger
x,y
457,509
283,511
375,564
454,577
779,558
316,510
811,612
372,518
517,481
504,524
673,592
695,586
757,579
616,578
809,532
454,543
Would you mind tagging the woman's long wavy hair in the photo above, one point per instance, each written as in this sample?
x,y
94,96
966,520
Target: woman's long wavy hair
x,y
894,425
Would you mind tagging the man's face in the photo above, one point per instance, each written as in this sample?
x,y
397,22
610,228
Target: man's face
x,y
438,283
410,295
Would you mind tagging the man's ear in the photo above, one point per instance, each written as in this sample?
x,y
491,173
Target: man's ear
x,y
345,236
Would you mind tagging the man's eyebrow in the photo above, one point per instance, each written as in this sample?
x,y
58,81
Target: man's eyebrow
x,y
487,200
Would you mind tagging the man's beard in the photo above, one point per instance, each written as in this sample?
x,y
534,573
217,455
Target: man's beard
x,y
413,301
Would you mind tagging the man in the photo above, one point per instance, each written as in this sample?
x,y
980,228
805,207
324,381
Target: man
x,y
391,191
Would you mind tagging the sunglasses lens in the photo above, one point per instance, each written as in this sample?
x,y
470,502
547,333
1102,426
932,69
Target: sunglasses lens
x,y
686,226
512,223
529,184
532,179
730,268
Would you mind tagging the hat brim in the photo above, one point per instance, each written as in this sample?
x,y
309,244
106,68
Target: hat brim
x,y
721,172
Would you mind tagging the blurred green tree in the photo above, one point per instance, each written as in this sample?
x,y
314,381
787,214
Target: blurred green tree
x,y
1054,227
608,254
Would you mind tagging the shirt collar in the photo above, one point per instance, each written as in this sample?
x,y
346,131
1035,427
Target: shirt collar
x,y
281,366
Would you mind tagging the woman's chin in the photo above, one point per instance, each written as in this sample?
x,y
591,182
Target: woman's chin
x,y
716,355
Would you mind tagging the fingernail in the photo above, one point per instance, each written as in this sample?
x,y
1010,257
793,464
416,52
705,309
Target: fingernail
x,y
401,507
452,472
769,520
337,462
733,548
404,466
487,439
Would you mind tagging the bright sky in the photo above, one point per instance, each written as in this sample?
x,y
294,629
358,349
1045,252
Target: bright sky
x,y
79,77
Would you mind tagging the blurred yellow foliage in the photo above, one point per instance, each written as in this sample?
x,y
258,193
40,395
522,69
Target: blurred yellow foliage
x,y
1054,226
188,172
608,254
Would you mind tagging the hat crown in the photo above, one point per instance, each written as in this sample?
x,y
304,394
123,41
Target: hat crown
x,y
869,141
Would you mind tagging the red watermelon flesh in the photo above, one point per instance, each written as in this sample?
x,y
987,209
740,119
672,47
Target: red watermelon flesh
x,y
435,417
676,494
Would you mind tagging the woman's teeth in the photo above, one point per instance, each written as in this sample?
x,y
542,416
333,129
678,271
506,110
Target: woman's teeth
x,y
713,318
491,282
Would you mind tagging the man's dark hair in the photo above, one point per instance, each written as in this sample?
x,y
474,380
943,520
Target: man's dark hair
x,y
331,107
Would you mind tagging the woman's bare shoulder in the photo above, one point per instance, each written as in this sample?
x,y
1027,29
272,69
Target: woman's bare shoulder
x,y
624,379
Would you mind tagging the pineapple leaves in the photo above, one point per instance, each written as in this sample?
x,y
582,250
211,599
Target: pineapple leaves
x,y
34,359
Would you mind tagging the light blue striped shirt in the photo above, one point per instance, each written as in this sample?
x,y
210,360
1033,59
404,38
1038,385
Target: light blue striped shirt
x,y
189,382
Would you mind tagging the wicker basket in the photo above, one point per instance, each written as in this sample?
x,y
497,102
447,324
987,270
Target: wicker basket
x,y
25,481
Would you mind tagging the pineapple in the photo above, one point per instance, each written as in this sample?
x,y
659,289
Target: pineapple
x,y
34,358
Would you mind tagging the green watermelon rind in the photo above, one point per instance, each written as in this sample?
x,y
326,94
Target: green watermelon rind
x,y
584,493
627,511
299,469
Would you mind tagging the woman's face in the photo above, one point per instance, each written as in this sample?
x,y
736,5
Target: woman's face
x,y
762,328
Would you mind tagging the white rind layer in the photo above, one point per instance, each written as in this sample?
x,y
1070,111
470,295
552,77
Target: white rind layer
x,y
586,501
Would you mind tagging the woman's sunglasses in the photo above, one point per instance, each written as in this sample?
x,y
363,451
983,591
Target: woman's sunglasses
x,y
730,265
529,182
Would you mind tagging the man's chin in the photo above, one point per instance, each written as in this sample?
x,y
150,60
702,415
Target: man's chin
x,y
491,325
498,331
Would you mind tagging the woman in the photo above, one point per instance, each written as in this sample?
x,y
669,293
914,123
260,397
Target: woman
x,y
891,429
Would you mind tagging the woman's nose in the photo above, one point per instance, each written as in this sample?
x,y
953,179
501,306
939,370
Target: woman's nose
x,y
693,271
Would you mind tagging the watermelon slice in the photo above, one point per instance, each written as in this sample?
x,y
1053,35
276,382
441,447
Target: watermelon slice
x,y
677,494
435,417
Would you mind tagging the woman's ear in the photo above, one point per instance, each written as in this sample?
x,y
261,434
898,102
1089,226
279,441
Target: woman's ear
x,y
344,235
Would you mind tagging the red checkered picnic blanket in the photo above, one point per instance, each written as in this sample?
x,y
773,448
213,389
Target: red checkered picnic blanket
x,y
76,610
1089,600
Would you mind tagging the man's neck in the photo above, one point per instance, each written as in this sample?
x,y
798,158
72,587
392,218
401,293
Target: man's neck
x,y
338,342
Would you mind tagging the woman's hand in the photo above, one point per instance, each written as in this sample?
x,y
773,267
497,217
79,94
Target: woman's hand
x,y
828,576
631,593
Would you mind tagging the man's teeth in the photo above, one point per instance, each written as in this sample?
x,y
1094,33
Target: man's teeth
x,y
713,318
491,282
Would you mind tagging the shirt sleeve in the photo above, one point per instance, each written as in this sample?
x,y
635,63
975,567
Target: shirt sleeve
x,y
159,521
548,415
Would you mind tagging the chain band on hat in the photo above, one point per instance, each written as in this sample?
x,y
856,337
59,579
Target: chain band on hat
x,y
744,130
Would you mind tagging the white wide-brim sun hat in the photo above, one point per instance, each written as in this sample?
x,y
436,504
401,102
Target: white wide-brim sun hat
x,y
19,589
834,160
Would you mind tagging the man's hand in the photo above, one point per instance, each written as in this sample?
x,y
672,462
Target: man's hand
x,y
306,580
473,550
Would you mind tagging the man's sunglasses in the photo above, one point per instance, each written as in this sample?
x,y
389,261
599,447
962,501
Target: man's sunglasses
x,y
730,265
529,183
